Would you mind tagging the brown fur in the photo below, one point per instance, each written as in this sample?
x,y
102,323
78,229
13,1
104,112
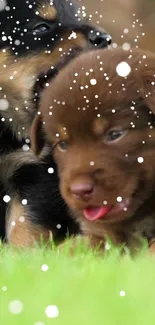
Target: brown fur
x,y
111,169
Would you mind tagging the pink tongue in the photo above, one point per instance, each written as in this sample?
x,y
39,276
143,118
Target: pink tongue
x,y
96,213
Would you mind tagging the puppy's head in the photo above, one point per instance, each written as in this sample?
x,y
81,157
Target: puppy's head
x,y
98,115
37,37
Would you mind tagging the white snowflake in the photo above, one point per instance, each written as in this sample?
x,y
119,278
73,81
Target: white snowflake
x,y
4,288
17,42
27,140
123,69
140,160
58,226
126,46
52,311
25,147
7,8
21,219
44,267
126,30
6,198
24,201
93,82
15,307
119,199
114,45
122,293
4,104
50,170
72,35
4,38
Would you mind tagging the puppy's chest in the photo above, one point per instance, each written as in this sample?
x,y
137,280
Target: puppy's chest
x,y
128,233
144,228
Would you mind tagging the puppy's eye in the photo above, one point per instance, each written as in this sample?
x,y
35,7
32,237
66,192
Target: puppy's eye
x,y
114,135
62,145
41,28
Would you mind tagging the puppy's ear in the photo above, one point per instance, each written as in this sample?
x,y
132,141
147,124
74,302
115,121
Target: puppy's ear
x,y
37,135
148,88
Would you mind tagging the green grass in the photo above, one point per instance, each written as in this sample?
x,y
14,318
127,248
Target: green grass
x,y
84,287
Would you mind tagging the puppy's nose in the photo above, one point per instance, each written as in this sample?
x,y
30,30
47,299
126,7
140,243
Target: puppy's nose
x,y
82,191
99,39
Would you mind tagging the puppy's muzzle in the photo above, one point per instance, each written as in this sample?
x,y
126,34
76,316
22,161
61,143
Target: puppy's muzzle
x,y
99,39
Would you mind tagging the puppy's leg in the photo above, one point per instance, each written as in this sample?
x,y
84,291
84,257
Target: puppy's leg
x,y
20,231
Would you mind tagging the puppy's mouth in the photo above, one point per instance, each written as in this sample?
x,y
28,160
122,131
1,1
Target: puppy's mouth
x,y
105,211
44,78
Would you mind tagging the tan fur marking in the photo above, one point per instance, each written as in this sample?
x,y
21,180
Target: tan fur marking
x,y
18,91
99,125
47,11
63,133
23,233
152,249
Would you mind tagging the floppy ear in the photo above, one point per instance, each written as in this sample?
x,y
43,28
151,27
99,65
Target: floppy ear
x,y
37,135
148,88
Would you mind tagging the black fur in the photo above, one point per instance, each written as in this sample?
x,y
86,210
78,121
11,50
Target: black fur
x,y
8,141
20,24
34,183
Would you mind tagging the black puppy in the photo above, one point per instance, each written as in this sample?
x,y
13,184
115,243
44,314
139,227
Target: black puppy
x,y
36,39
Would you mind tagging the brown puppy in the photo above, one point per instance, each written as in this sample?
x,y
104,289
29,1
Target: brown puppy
x,y
98,116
